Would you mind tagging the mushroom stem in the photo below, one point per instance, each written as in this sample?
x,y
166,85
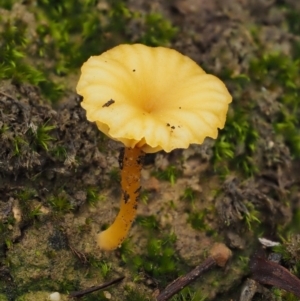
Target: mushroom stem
x,y
131,167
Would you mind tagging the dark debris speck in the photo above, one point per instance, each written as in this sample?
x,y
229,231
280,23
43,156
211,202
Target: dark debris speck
x,y
58,240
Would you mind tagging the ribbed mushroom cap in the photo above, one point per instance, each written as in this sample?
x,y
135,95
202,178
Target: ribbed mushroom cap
x,y
152,97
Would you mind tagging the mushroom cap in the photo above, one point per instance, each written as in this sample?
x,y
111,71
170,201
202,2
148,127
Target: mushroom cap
x,y
154,98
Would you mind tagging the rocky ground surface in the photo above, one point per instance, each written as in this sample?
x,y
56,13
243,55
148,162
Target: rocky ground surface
x,y
59,176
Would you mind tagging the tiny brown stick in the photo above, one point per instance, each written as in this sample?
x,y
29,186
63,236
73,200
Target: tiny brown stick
x,y
181,282
78,254
271,273
219,255
92,289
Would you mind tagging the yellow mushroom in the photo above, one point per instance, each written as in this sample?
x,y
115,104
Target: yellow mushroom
x,y
150,99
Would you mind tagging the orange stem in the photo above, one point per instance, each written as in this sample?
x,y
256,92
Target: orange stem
x,y
131,167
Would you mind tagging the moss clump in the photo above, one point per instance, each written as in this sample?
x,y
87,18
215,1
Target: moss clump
x,y
67,33
13,51
41,135
290,252
236,144
160,260
188,294
158,31
60,203
171,173
3,298
277,71
93,196
16,63
148,222
198,221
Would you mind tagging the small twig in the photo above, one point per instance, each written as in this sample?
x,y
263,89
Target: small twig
x,y
272,273
219,256
181,282
92,289
78,254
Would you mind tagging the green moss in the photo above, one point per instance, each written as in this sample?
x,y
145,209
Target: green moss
x,y
198,222
19,143
78,31
236,144
114,176
277,70
59,152
41,135
93,196
160,260
3,230
293,227
236,147
4,128
189,194
29,209
286,296
187,294
40,290
126,250
290,252
170,174
293,19
283,295
12,52
15,63
105,269
26,194
68,33
148,222
243,262
3,298
144,196
60,203
158,30
7,4
252,217
57,35
119,16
